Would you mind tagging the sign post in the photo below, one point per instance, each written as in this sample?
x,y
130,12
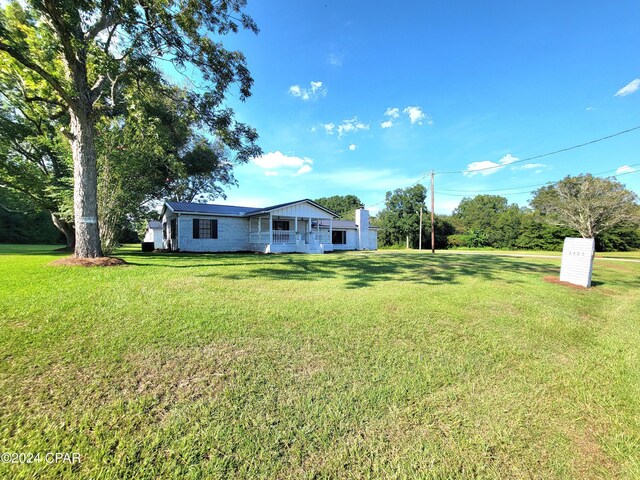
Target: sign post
x,y
577,261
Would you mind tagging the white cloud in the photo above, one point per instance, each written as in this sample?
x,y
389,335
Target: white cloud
x,y
416,115
631,87
303,169
625,169
529,166
335,60
295,90
392,112
347,126
352,147
487,167
328,127
315,90
277,160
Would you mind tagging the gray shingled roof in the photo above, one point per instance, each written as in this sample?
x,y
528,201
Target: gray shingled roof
x,y
236,211
188,207
154,224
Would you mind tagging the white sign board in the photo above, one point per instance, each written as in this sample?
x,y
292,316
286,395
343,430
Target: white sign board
x,y
577,261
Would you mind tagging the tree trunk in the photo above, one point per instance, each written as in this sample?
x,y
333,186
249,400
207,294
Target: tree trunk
x,y
85,185
67,229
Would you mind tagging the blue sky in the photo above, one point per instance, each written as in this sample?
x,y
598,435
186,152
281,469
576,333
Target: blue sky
x,y
354,97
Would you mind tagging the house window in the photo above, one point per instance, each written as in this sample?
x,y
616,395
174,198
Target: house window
x,y
339,237
174,229
281,224
205,228
164,230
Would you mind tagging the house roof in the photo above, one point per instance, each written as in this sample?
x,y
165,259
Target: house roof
x,y
154,224
209,208
235,211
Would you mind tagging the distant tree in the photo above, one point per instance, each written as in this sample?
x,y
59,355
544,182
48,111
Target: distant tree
x,y
343,205
35,159
536,234
444,227
588,204
81,50
619,239
401,216
488,220
25,221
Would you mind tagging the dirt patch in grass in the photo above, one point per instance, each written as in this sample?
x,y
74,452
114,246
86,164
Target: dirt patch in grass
x,y
591,461
551,279
88,262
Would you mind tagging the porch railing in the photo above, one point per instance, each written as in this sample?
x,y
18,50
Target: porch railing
x,y
289,236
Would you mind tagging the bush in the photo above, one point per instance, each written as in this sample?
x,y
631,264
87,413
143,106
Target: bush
x,y
457,241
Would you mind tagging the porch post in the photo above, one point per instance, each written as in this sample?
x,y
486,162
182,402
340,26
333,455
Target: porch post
x,y
331,230
270,228
259,230
295,230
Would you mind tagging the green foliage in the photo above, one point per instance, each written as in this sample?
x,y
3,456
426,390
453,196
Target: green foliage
x,y
78,66
621,238
588,204
401,216
536,234
489,220
343,205
25,222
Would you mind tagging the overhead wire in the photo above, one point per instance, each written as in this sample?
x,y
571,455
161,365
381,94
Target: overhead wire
x,y
528,159
555,152
493,190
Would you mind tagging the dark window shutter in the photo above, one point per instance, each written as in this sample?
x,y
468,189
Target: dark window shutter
x,y
214,229
196,228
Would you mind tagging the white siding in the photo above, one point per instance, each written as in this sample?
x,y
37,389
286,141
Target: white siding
x,y
352,240
301,210
154,235
373,239
233,235
168,216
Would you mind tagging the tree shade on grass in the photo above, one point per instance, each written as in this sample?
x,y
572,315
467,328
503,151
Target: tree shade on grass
x,y
380,365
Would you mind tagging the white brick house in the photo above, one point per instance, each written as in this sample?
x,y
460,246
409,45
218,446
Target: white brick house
x,y
302,226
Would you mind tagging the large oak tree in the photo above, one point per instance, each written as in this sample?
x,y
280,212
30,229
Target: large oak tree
x,y
588,204
82,49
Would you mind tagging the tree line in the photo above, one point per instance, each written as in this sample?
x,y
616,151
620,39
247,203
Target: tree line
x,y
579,206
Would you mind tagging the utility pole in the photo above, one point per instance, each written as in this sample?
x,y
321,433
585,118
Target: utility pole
x,y
420,234
433,231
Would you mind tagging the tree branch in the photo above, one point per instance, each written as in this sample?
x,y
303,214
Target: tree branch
x,y
19,57
107,20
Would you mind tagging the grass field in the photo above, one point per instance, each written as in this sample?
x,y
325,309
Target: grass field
x,y
354,365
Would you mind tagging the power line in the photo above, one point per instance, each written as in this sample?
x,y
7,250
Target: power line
x,y
493,190
555,152
465,193
528,159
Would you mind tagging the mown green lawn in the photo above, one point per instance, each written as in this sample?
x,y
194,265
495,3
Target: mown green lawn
x,y
354,365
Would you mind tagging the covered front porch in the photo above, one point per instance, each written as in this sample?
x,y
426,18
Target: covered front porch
x,y
288,234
